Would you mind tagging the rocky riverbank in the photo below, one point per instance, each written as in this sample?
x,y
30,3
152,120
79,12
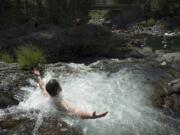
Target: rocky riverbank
x,y
84,44
12,79
25,123
65,44
77,44
163,79
165,64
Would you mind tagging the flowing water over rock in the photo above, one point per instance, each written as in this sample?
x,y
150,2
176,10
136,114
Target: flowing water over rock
x,y
122,91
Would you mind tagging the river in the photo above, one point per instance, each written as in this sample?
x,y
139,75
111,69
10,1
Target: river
x,y
124,93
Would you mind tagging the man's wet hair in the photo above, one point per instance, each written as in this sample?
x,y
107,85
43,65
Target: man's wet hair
x,y
53,87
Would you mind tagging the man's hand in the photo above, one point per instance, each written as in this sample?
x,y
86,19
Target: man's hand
x,y
99,115
36,72
41,82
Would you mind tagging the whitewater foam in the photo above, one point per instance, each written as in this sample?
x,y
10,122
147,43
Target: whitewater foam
x,y
123,94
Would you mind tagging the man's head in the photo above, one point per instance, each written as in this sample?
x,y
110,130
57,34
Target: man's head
x,y
53,87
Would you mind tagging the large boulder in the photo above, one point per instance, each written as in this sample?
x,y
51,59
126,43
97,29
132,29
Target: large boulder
x,y
166,89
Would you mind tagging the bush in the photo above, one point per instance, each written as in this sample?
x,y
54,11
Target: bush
x,y
143,23
6,57
98,15
148,23
29,56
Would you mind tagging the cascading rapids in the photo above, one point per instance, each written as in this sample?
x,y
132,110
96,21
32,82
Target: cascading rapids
x,y
123,94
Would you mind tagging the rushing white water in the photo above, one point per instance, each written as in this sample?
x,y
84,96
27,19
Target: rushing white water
x,y
123,94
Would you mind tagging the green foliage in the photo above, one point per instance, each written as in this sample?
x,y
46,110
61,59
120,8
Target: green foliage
x,y
153,8
159,7
61,12
162,8
148,23
99,14
64,12
29,56
6,57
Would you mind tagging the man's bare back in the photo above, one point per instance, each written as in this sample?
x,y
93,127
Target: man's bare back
x,y
52,90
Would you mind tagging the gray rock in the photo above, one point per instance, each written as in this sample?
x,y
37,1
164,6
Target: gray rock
x,y
146,51
169,57
172,102
175,85
167,91
28,124
7,99
11,80
159,52
172,97
56,126
16,124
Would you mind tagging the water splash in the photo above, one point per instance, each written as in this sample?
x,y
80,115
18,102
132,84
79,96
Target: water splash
x,y
124,94
38,124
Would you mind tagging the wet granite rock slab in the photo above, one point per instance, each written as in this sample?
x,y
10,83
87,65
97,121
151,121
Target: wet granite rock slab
x,y
21,123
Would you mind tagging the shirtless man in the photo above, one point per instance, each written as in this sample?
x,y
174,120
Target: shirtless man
x,y
53,89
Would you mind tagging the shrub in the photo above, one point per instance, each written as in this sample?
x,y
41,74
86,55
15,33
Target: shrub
x,y
29,56
97,15
148,23
6,57
143,23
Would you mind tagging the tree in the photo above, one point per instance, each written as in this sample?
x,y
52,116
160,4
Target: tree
x,y
79,9
160,8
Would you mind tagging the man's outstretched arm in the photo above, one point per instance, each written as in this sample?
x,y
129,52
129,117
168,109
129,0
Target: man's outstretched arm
x,y
83,115
40,81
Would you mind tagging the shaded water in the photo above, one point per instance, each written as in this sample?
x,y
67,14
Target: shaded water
x,y
124,94
156,42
